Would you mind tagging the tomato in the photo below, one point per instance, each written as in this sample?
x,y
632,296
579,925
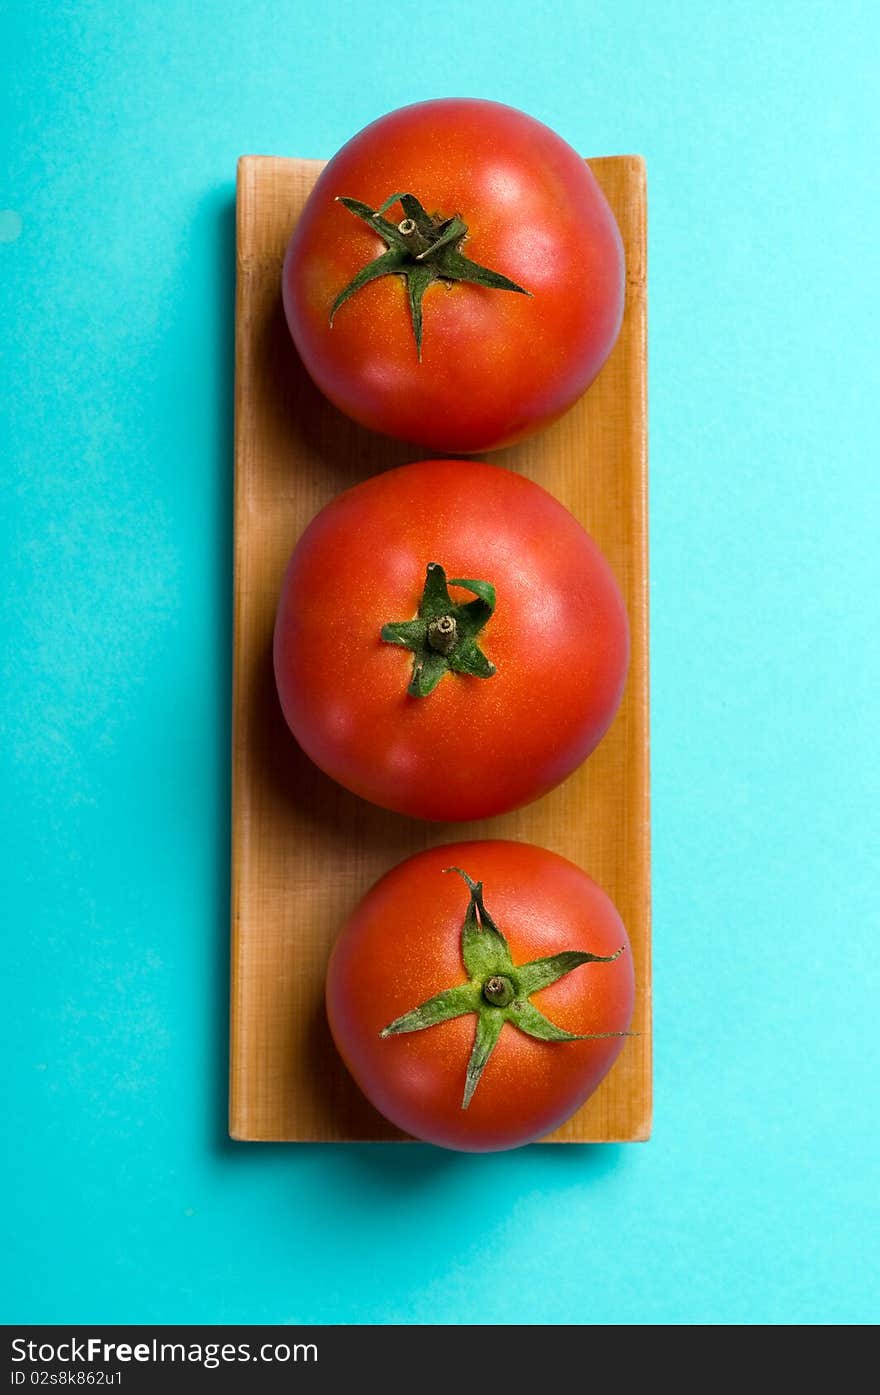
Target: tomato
x,y
500,291
481,1016
449,642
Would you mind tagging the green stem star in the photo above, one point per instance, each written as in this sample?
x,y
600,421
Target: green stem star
x,y
497,990
443,637
421,248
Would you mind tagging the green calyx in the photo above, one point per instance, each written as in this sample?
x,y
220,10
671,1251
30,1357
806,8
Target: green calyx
x,y
497,990
422,248
443,637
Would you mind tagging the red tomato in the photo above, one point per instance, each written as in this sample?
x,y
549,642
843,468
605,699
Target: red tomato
x,y
512,198
406,947
528,688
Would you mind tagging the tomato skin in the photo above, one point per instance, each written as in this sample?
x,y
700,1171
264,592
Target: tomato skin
x,y
401,945
474,747
496,366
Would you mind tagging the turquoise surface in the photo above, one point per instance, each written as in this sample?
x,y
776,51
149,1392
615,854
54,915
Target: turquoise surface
x,y
756,1200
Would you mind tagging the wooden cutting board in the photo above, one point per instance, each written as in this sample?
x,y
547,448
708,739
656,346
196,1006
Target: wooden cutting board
x,y
303,849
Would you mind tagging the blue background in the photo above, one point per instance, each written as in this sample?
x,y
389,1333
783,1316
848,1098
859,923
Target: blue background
x,y
756,1200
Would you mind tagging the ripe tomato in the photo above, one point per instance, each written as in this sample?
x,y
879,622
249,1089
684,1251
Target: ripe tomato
x,y
481,1017
500,291
449,704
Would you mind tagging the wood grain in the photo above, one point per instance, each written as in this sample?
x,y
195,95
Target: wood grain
x,y
303,849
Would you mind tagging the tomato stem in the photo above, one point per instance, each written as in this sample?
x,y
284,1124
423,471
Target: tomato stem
x,y
421,248
497,990
443,636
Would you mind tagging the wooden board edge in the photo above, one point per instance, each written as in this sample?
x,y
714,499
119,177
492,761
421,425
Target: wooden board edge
x,y
237,1117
